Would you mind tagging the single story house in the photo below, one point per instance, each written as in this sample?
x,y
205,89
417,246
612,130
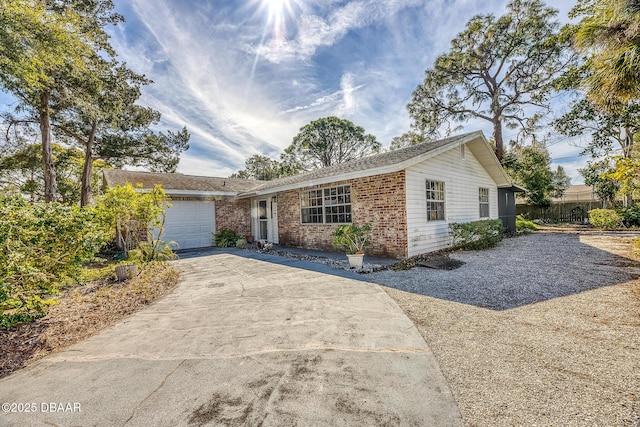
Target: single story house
x,y
578,194
409,196
573,206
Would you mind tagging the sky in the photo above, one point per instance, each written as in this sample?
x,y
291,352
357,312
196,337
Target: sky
x,y
245,75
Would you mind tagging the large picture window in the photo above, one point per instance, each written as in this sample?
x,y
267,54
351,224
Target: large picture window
x,y
435,201
483,196
326,206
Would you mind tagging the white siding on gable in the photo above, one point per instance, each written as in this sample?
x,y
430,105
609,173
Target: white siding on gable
x,y
463,176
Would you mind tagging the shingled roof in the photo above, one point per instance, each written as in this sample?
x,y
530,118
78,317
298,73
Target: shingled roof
x,y
380,163
391,160
176,182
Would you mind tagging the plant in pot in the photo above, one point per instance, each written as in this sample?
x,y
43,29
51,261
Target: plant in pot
x,y
353,239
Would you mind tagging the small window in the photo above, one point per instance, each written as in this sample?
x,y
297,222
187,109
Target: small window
x,y
326,206
483,195
435,201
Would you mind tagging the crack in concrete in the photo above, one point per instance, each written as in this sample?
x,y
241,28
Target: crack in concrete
x,y
185,357
241,273
135,410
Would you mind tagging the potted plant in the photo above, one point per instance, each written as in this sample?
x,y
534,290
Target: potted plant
x,y
353,239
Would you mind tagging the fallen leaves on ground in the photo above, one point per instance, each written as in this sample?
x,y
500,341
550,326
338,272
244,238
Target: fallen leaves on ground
x,y
82,311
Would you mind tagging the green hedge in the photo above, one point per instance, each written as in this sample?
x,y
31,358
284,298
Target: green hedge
x,y
42,247
476,235
630,215
605,218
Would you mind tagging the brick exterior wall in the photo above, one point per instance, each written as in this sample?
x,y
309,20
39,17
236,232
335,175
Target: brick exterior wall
x,y
378,200
234,214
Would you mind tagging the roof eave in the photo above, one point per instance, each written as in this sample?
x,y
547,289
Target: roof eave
x,y
487,156
395,167
172,192
326,180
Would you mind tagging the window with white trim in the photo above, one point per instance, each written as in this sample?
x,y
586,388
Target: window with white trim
x,y
326,206
435,200
483,197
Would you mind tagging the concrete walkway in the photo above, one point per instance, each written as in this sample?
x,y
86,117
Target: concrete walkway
x,y
244,341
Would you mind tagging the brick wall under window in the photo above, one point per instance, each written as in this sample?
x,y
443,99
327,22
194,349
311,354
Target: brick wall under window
x,y
378,200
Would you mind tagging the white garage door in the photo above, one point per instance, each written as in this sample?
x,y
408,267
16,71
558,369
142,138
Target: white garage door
x,y
190,224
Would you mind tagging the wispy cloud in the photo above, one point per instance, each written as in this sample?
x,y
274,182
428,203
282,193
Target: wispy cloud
x,y
242,88
315,31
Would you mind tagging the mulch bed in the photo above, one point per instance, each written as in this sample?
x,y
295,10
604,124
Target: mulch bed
x,y
82,311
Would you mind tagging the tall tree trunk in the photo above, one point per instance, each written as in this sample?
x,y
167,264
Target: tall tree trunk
x,y
87,168
48,168
627,152
497,137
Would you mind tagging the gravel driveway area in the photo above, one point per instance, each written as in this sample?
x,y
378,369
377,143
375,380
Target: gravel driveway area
x,y
542,330
521,271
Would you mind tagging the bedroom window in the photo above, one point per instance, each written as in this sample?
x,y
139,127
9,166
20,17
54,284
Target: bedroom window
x,y
435,201
483,195
326,206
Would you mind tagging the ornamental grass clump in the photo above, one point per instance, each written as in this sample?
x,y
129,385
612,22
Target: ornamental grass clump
x,y
226,238
352,238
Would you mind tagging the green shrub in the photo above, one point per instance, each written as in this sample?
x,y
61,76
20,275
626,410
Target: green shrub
x,y
604,218
476,235
241,243
42,247
523,225
225,238
137,220
352,238
630,215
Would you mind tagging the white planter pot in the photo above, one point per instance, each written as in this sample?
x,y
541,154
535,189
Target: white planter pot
x,y
355,260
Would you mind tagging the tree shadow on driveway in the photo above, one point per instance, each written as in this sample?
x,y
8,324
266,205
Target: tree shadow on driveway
x,y
281,260
521,271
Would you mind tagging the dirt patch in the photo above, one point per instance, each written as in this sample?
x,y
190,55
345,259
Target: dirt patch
x,y
227,410
347,406
441,263
438,260
570,359
82,311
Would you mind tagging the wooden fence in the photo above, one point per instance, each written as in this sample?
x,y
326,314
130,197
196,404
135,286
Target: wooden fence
x,y
559,212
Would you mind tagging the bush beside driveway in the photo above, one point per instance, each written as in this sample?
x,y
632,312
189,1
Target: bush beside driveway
x,y
246,342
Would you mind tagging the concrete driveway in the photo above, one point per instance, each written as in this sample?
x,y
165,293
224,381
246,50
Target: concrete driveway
x,y
243,341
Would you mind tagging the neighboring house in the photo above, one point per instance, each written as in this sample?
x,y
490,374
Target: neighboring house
x,y
578,194
573,206
409,196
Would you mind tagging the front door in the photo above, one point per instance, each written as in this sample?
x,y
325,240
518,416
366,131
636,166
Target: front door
x,y
263,226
